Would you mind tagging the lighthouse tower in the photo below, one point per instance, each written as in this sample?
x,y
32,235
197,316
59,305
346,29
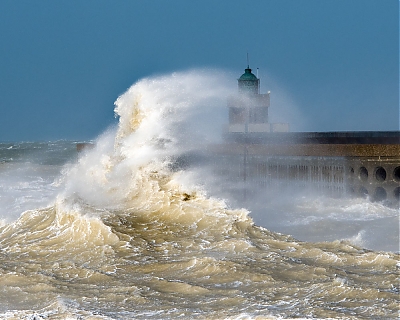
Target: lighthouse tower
x,y
248,110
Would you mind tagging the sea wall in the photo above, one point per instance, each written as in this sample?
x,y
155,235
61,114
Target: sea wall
x,y
361,170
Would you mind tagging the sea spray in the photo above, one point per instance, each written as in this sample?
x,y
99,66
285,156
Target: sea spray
x,y
28,171
125,239
130,168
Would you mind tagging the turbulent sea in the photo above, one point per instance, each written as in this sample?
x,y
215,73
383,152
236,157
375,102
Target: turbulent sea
x,y
120,232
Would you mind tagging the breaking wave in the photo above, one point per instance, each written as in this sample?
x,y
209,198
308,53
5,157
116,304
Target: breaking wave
x,y
132,236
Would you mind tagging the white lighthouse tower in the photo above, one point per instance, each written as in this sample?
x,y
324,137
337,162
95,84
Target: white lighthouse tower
x,y
248,110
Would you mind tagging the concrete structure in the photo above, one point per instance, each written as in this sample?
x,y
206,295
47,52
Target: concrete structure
x,y
334,169
335,163
248,110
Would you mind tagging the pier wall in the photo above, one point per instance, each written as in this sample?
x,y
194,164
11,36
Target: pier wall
x,y
357,170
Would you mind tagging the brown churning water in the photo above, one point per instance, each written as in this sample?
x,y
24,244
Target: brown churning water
x,y
129,238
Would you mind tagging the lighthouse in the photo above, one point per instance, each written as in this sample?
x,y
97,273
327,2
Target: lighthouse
x,y
248,109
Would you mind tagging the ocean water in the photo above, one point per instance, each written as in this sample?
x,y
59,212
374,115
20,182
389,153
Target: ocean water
x,y
120,231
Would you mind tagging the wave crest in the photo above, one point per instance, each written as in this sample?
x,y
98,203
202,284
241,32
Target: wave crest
x,y
130,170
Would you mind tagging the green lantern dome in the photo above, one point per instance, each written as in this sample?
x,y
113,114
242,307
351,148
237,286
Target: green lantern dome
x,y
247,75
248,83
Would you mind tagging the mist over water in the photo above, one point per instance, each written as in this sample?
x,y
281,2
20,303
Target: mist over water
x,y
29,173
141,227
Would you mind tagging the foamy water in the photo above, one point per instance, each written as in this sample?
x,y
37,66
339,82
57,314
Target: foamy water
x,y
123,233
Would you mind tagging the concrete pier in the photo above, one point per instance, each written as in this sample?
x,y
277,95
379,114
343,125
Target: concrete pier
x,y
339,169
257,152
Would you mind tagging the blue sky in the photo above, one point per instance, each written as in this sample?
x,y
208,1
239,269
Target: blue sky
x,y
64,63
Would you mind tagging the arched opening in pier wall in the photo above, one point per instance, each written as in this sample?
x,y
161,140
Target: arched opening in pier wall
x,y
396,174
380,174
380,194
351,191
363,173
363,192
396,193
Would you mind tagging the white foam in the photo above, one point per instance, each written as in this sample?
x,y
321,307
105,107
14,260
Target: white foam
x,y
357,239
346,208
25,186
154,127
